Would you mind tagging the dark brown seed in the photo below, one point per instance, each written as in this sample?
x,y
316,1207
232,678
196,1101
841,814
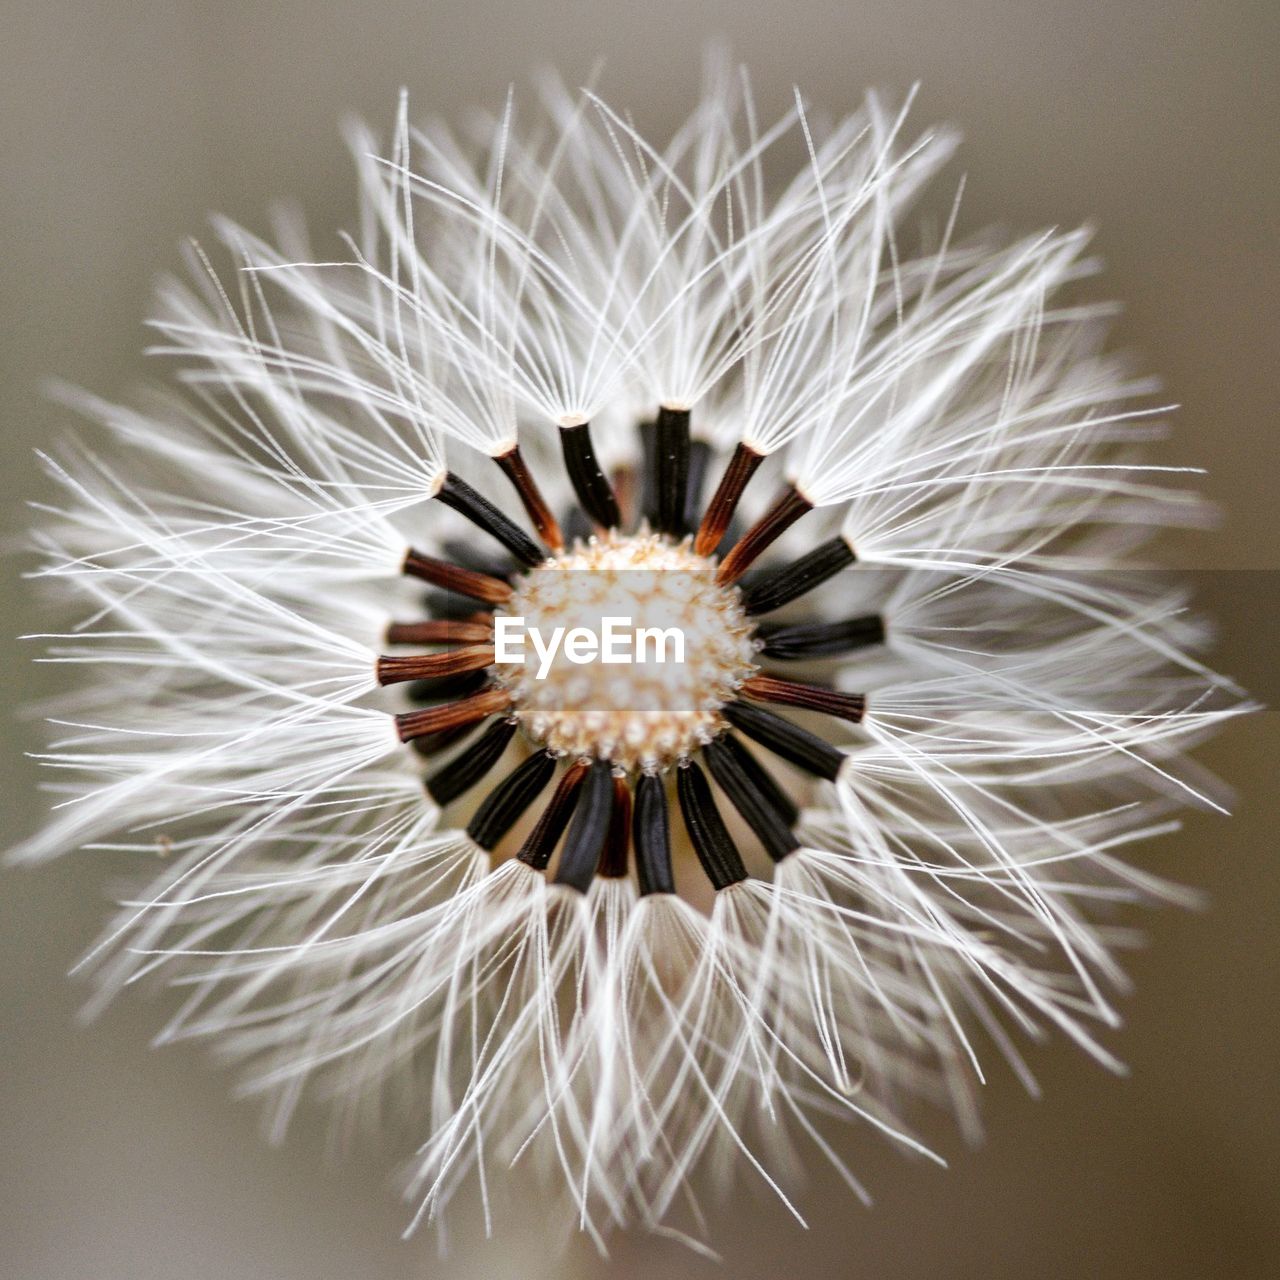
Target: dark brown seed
x,y
771,526
535,505
428,666
449,715
542,840
625,486
724,502
811,697
614,859
452,578
441,631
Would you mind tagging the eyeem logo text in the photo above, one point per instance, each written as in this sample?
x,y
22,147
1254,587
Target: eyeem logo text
x,y
617,641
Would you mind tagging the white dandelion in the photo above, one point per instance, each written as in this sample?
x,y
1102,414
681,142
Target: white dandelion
x,y
636,935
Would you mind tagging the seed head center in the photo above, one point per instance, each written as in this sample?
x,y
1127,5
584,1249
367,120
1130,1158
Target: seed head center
x,y
681,647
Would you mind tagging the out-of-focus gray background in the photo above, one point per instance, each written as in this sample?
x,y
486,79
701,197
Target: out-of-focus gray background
x,y
123,121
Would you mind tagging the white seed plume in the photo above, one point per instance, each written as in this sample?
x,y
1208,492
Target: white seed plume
x,y
993,702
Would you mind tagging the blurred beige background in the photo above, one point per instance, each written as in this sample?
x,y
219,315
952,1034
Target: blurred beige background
x,y
123,121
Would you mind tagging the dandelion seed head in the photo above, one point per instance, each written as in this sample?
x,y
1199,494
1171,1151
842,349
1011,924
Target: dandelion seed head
x,y
637,931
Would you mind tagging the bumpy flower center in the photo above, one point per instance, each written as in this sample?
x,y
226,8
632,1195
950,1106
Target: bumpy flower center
x,y
619,655
629,650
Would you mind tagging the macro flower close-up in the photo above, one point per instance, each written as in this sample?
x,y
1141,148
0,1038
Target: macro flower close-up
x,y
638,657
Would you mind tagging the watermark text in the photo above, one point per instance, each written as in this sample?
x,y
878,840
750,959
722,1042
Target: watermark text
x,y
617,641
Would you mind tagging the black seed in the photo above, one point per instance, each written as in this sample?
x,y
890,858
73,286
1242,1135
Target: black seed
x,y
724,502
820,639
759,814
763,781
469,502
804,749
447,688
699,461
731,535
790,582
433,743
672,467
542,840
590,483
648,432
449,606
590,827
711,840
503,805
470,556
577,527
763,534
461,773
651,834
